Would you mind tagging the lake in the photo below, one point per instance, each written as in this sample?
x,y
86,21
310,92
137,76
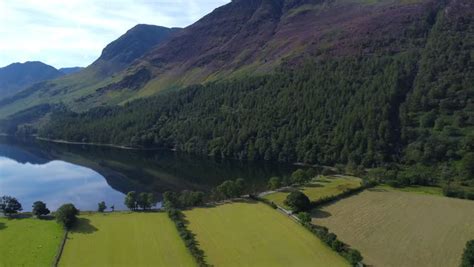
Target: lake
x,y
32,170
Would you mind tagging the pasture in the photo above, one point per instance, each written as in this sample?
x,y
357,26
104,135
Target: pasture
x,y
318,188
29,242
395,228
253,234
125,239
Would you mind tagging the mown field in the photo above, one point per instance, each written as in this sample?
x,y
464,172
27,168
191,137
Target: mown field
x,y
396,228
28,242
253,234
125,239
320,188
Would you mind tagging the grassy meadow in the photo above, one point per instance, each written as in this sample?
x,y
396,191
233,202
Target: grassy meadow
x,y
319,188
29,242
253,234
125,239
395,228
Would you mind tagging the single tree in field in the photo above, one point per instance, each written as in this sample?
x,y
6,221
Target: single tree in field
x,y
9,205
40,209
131,200
468,256
112,208
274,183
101,207
297,201
66,215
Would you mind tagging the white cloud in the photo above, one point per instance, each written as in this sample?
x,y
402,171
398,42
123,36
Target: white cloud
x,y
74,32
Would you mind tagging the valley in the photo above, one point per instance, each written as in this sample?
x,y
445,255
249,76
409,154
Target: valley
x,y
239,133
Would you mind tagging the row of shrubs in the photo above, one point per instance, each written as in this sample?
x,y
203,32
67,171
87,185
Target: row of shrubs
x,y
352,255
188,237
346,193
458,192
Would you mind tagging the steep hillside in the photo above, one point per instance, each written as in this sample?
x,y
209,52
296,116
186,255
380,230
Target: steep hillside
x,y
407,101
17,76
247,37
74,88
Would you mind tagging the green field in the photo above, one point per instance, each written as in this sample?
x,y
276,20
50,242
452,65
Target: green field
x,y
28,242
320,188
395,228
125,239
253,234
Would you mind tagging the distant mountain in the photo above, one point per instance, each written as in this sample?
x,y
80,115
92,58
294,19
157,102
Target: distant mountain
x,y
72,70
74,89
17,76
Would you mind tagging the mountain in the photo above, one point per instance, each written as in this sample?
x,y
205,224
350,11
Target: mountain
x,y
73,88
17,76
363,83
244,37
70,70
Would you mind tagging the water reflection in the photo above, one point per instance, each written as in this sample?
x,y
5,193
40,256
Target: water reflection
x,y
84,175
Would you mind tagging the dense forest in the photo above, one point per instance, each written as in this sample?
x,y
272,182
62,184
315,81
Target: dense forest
x,y
413,107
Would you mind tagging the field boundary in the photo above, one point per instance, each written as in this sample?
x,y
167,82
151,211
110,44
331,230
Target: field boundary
x,y
59,253
353,256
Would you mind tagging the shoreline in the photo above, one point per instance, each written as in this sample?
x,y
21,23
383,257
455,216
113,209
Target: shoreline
x,y
58,141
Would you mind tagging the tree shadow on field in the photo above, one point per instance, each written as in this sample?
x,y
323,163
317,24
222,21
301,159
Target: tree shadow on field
x,y
2,226
84,226
320,214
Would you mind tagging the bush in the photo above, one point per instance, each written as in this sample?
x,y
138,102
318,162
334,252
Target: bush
x,y
297,201
304,217
468,255
66,215
101,207
300,177
274,183
353,256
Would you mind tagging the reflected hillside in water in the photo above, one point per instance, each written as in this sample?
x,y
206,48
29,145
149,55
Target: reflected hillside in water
x,y
151,171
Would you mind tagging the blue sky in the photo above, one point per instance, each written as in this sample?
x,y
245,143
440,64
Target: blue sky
x,y
67,33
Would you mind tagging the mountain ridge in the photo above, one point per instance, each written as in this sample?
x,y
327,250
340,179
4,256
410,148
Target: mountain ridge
x,y
16,76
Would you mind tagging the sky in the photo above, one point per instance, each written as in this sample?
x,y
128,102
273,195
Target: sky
x,y
69,33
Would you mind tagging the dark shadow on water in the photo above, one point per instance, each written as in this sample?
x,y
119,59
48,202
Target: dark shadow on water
x,y
84,226
320,214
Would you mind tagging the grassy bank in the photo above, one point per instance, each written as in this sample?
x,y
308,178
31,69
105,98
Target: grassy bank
x,y
396,228
125,239
252,234
320,188
28,242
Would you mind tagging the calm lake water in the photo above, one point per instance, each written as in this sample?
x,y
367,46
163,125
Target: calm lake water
x,y
33,170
